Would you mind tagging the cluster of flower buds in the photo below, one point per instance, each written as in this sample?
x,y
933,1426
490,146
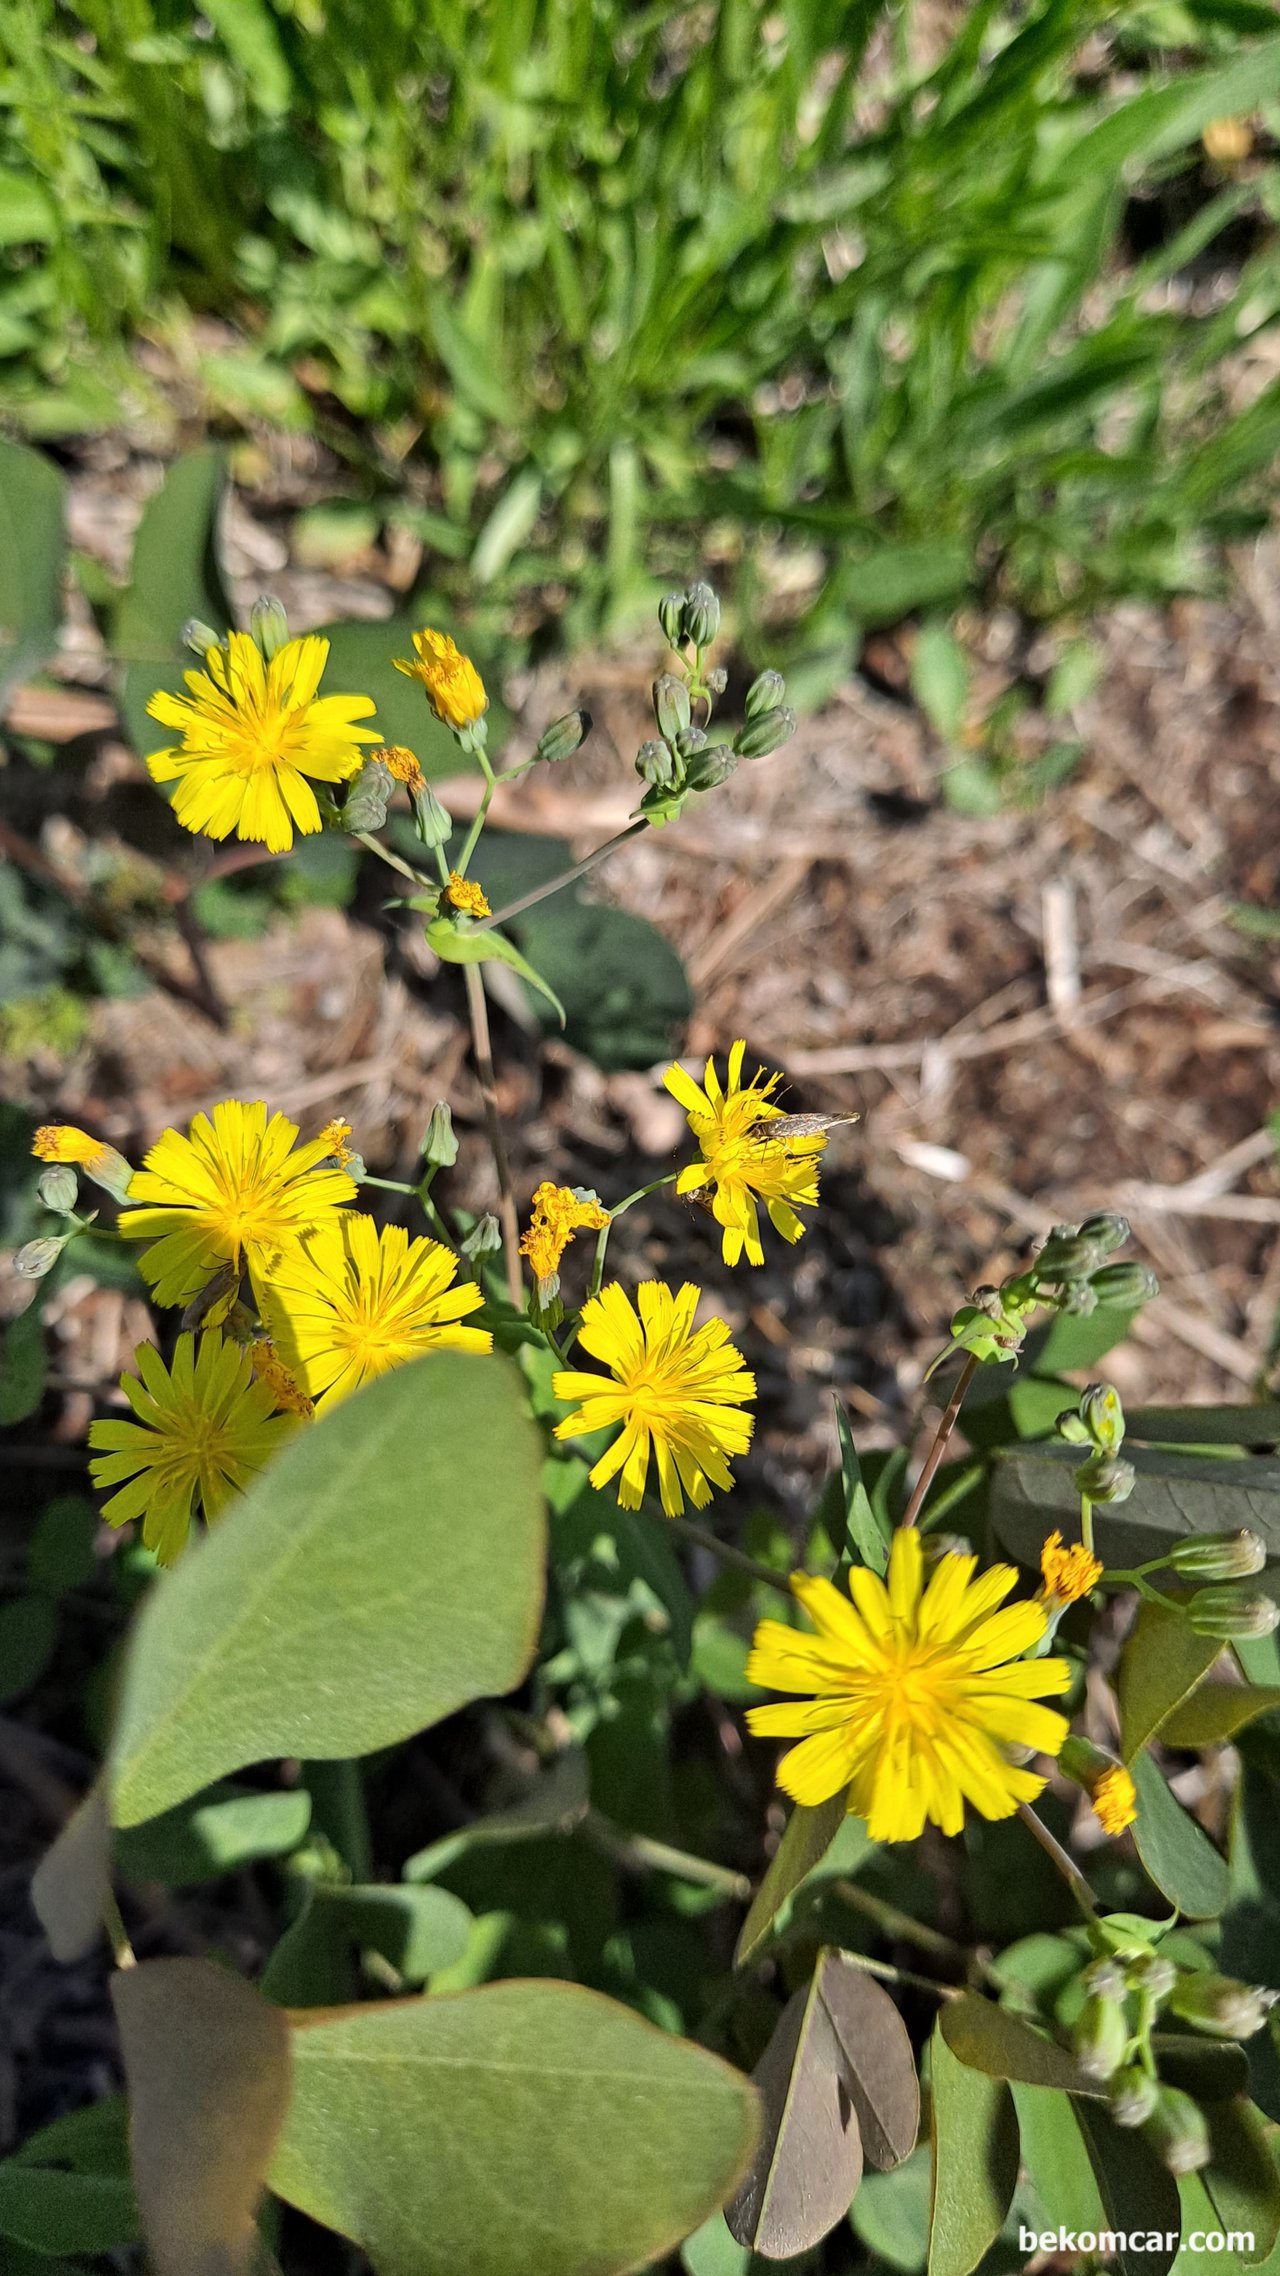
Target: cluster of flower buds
x,y
1098,1423
1069,1275
1125,1991
1224,1610
682,757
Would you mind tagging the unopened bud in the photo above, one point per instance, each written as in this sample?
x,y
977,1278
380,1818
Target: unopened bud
x,y
1107,1232
671,706
1065,1256
1103,1417
1070,1427
485,1236
656,764
58,1189
701,615
708,769
199,636
1232,1614
717,681
1104,1979
1151,1973
1219,1556
691,739
765,733
433,822
269,625
1129,1284
1108,1478
1220,2006
1100,2037
764,694
1177,2131
1077,1300
671,618
564,736
1133,2096
439,1142
366,803
35,1258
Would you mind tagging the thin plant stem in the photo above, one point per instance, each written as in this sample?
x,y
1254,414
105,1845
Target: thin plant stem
x,y
392,860
117,1933
699,1538
566,877
1086,1523
890,1974
940,1438
483,1050
1057,1855
639,1853
472,838
419,1194
894,1922
602,1237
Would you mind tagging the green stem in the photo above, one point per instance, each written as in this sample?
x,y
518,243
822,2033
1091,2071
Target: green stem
x,y
699,1537
892,1922
892,1975
602,1237
392,860
940,1438
1064,1864
482,1050
637,1852
1086,1523
472,838
554,884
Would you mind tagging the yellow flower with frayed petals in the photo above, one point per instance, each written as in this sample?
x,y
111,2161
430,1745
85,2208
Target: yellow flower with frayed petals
x,y
677,1392
334,1138
252,732
556,1214
348,1302
269,1368
204,1430
402,766
1115,1800
916,1691
232,1192
1069,1573
740,1161
463,893
62,1142
454,688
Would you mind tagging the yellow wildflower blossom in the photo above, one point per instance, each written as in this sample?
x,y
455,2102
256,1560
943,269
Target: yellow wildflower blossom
x,y
677,1392
740,1161
1115,1800
204,1430
251,734
454,688
232,1192
463,893
347,1302
916,1692
403,766
1069,1573
62,1142
556,1215
334,1138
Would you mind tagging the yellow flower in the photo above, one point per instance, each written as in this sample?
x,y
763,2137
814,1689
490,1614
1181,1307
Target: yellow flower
x,y
677,1391
556,1215
269,1368
204,1430
465,894
402,764
62,1142
1069,1573
251,734
346,1303
740,1160
455,690
1115,1800
916,1692
232,1192
334,1138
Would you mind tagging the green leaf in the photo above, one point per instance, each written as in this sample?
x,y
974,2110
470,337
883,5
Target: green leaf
x,y
340,1604
52,2210
453,946
62,1552
1180,1859
361,662
218,1832
419,1931
1160,1666
862,1532
1257,1424
940,680
72,1882
890,2214
1215,1712
25,1368
531,2126
1174,1494
975,2161
1139,2194
174,576
28,1633
807,1837
880,587
1209,2070
1056,2156
1242,2177
32,549
988,2038
807,2167
556,1802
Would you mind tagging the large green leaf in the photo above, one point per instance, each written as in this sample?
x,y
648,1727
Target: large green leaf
x,y
991,2039
174,576
32,547
217,1832
1217,1711
1139,2194
1174,1494
975,2161
385,1570
1242,2176
807,1836
1162,1662
531,2126
1181,1860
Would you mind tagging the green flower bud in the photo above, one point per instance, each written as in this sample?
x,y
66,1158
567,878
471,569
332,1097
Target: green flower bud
x,y
1220,2006
764,694
1104,1979
545,1307
671,706
1070,1427
656,764
1103,1417
701,615
200,637
1129,1284
58,1189
1107,1232
1108,1478
708,769
1100,2036
485,1236
35,1258
368,798
671,618
269,625
1219,1556
439,1142
1133,2096
1077,1300
564,736
765,733
691,739
1232,1613
717,681
1065,1256
434,822
1177,2131
1151,1973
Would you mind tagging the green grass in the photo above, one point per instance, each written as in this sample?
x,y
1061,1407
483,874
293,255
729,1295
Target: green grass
x,y
590,292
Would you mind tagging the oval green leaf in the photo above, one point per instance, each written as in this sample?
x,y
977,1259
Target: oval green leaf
x,y
806,1838
384,1571
975,2161
1179,1857
531,2126
988,2038
1242,2176
1216,1712
453,946
1162,1663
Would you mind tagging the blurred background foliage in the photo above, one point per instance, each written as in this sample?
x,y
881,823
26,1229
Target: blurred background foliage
x,y
868,308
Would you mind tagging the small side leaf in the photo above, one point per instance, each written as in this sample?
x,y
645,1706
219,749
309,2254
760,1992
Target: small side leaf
x,y
1161,1664
988,2038
455,947
1179,1857
863,1536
